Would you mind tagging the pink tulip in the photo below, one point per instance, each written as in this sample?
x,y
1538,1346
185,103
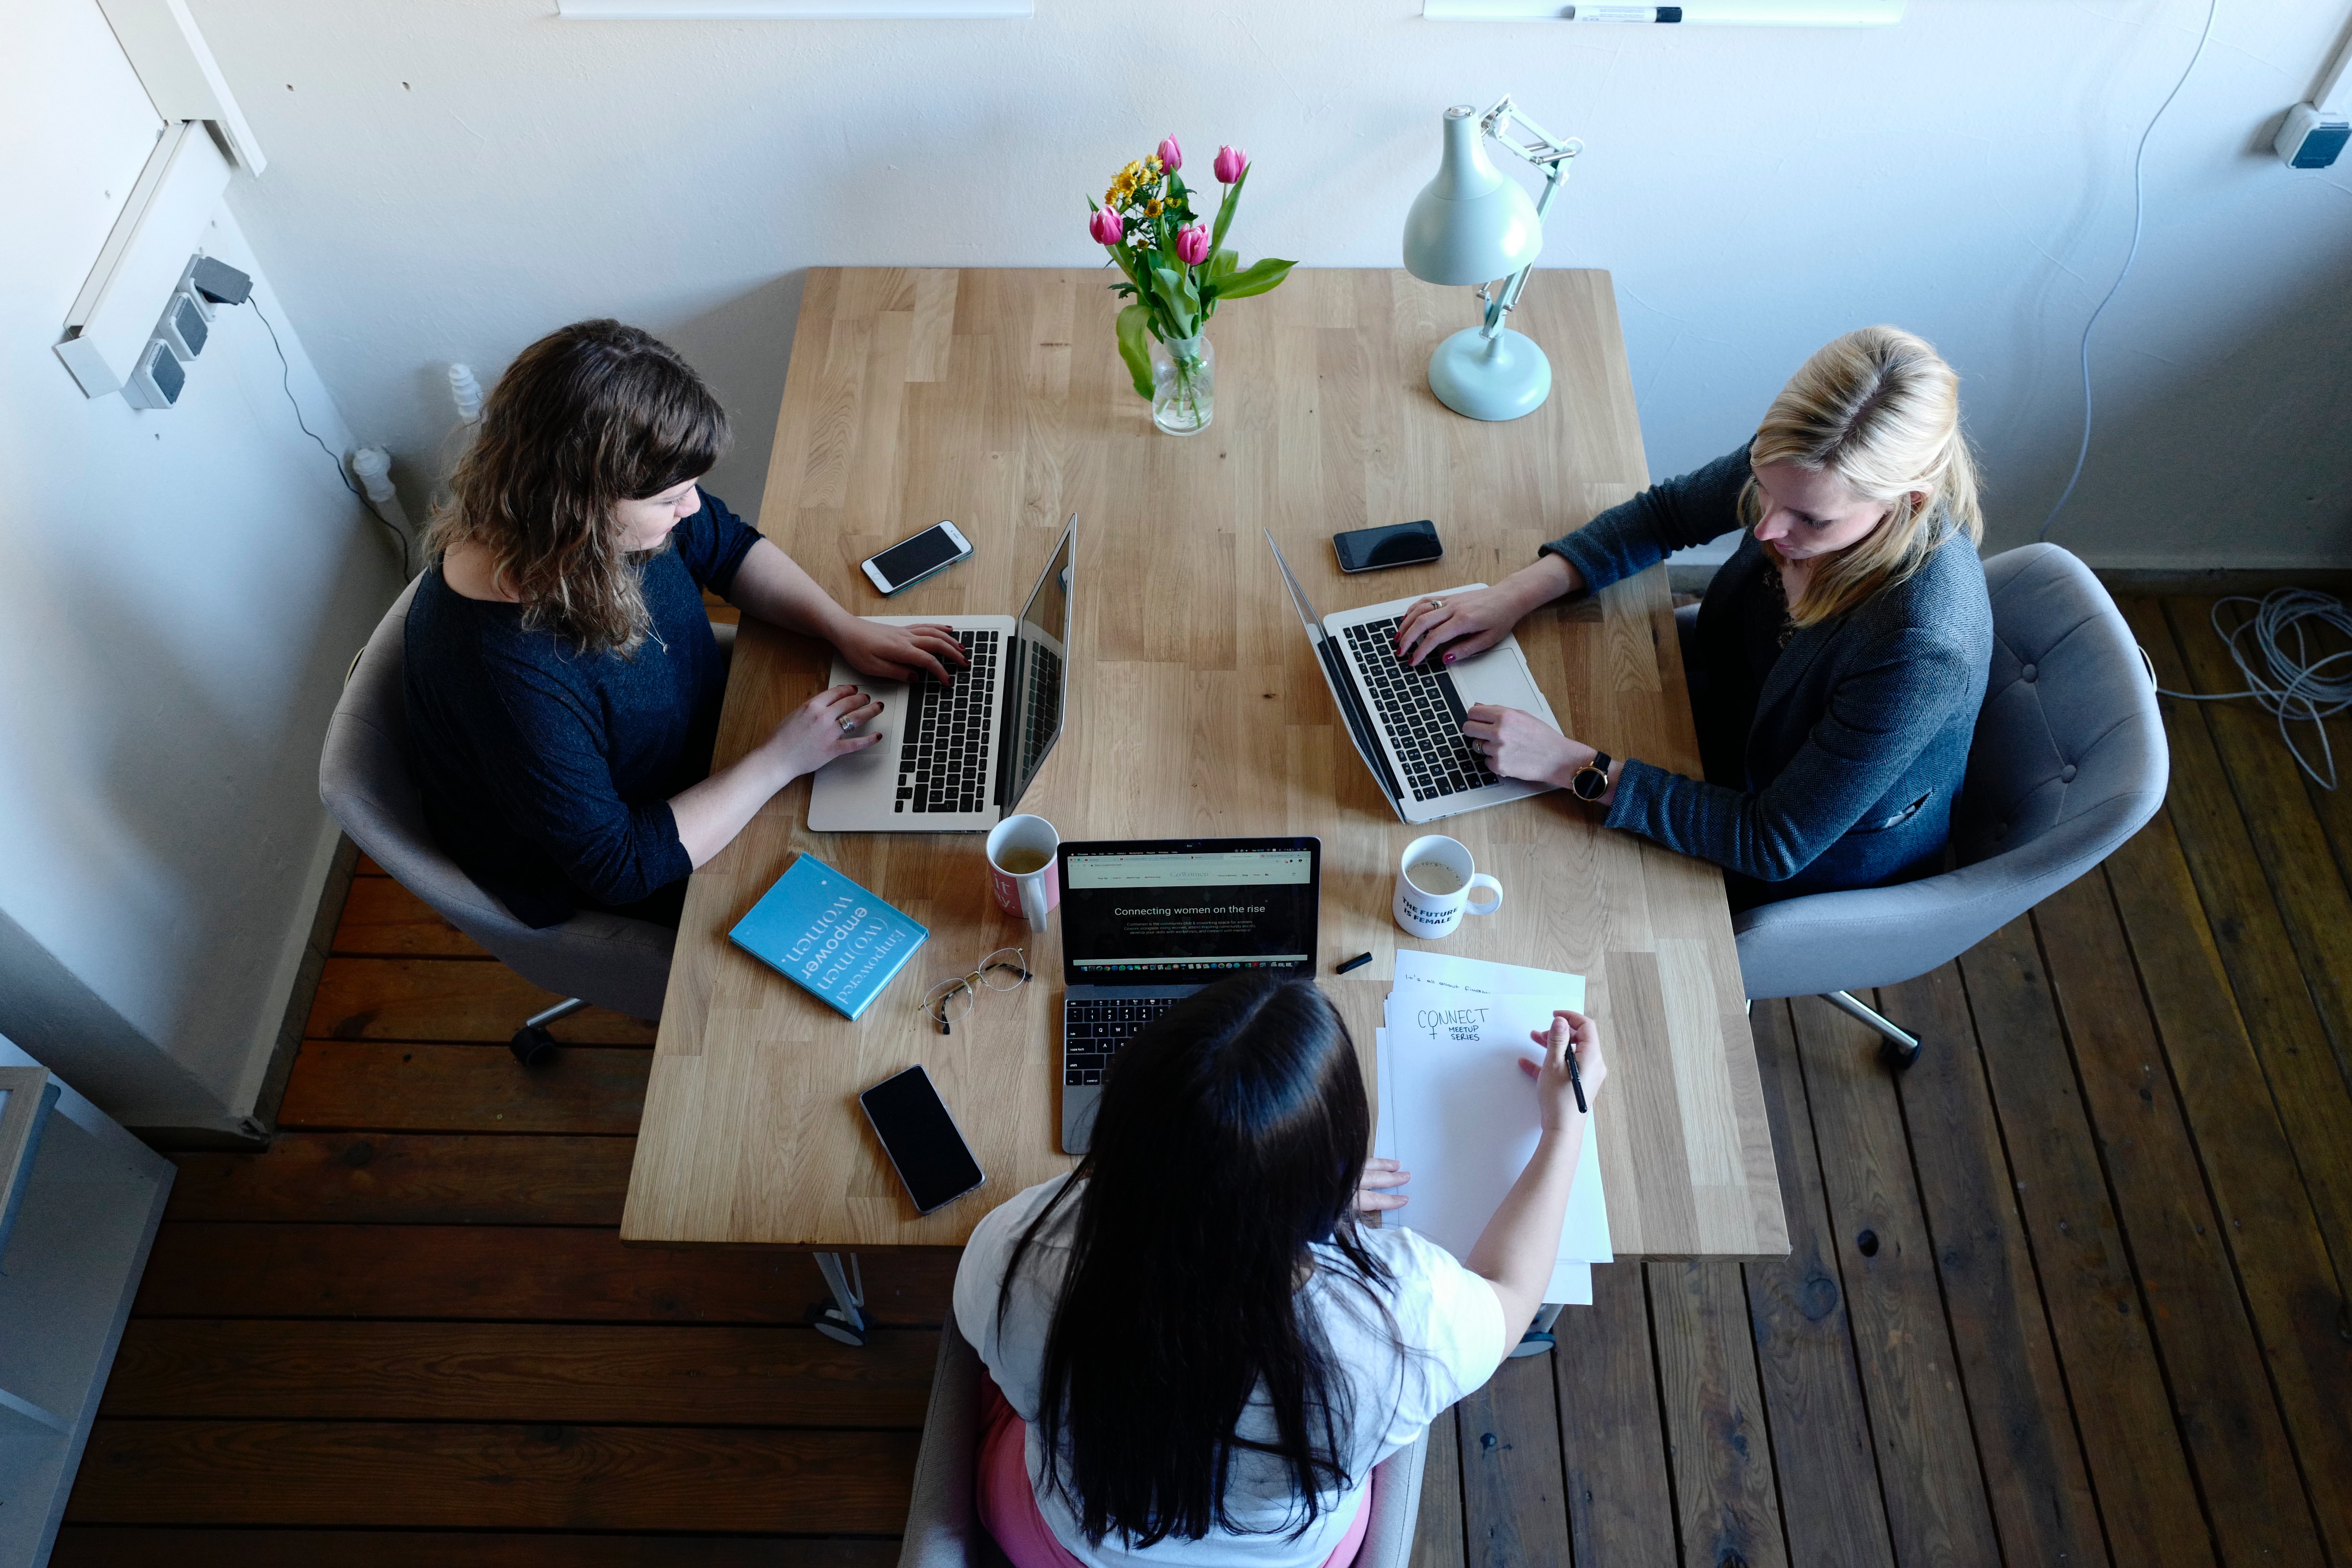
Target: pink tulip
x,y
1231,162
1192,244
1172,156
1106,227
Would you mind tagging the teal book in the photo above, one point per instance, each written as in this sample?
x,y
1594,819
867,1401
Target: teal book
x,y
829,936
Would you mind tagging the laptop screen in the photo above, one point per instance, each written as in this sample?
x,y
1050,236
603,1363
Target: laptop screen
x,y
1173,911
1037,674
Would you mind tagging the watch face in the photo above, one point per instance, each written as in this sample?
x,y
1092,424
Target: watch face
x,y
1589,783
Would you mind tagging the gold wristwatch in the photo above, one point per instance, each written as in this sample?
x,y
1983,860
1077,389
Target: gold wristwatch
x,y
1591,780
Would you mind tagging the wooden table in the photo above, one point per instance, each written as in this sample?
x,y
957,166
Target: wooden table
x,y
997,399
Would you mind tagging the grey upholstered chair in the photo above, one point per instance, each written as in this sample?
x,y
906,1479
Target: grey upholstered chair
x,y
369,785
943,1528
2069,761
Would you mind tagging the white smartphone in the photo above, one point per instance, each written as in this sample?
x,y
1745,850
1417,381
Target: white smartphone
x,y
910,560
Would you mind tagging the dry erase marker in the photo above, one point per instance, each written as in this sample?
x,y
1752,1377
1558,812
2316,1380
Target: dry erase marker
x,y
1358,961
1622,14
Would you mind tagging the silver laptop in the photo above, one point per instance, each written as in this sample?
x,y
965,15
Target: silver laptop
x,y
1406,719
957,758
1148,922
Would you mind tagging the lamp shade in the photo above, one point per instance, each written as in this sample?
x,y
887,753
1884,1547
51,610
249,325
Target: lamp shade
x,y
1471,224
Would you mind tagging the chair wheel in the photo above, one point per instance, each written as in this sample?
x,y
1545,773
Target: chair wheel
x,y
532,1047
826,1319
1897,1058
1535,1341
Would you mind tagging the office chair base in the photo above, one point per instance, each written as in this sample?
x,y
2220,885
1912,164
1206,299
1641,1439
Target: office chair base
x,y
532,1045
826,1319
1898,1047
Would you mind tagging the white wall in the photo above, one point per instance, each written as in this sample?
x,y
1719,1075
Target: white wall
x,y
179,594
452,180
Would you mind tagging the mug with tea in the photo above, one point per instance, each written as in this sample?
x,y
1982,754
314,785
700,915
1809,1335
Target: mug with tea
x,y
1020,867
1434,881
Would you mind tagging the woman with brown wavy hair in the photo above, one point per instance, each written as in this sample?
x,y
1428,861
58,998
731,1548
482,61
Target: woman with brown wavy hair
x,y
562,681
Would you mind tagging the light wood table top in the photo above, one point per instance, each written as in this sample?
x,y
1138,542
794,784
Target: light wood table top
x,y
997,398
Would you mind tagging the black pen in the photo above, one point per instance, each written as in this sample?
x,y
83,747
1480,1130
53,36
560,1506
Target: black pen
x,y
1358,961
1576,1082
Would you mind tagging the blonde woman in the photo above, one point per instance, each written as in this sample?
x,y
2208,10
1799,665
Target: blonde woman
x,y
1839,657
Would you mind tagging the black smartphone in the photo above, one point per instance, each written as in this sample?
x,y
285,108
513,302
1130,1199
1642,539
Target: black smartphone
x,y
1400,544
910,560
922,1140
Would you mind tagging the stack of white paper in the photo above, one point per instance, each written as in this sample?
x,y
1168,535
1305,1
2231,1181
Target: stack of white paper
x,y
1458,1113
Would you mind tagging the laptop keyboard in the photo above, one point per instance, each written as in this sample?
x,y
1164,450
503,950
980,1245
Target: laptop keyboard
x,y
1094,1029
944,763
1422,712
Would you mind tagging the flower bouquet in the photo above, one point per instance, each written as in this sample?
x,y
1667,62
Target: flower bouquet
x,y
1178,270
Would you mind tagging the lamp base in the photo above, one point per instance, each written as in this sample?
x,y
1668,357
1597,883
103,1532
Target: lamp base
x,y
1502,377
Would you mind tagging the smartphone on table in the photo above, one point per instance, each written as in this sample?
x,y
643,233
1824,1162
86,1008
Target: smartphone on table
x,y
910,560
1400,544
921,1138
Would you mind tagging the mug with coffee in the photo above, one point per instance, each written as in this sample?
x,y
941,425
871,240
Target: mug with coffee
x,y
1434,881
1020,867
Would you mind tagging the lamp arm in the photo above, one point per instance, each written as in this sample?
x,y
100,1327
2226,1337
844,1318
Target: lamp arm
x,y
1555,176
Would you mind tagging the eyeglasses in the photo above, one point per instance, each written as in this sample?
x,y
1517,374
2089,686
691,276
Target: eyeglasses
x,y
950,1001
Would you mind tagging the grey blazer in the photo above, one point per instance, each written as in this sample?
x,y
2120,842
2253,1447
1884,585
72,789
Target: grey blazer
x,y
1859,738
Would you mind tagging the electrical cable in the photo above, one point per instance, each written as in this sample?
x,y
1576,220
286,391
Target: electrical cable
x,y
2140,209
2290,684
286,381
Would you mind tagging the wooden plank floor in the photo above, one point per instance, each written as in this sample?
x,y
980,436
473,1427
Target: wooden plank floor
x,y
2072,1292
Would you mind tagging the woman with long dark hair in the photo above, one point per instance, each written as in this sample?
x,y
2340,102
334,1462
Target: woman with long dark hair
x,y
562,681
1198,1354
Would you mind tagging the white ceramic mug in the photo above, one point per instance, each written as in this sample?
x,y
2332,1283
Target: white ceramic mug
x,y
1431,904
1035,890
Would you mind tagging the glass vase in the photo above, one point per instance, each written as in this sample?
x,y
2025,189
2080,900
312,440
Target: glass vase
x,y
1183,384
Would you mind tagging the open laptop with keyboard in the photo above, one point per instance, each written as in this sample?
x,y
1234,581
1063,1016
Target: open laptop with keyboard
x,y
955,758
1406,719
1146,922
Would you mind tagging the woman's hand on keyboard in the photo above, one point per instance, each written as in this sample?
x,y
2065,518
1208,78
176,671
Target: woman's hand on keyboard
x,y
901,653
1472,622
1461,624
1521,746
811,734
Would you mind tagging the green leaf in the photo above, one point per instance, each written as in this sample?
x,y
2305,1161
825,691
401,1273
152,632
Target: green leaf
x,y
1225,210
1222,262
1259,279
1133,322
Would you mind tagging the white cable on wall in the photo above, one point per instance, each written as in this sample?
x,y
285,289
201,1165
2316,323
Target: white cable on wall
x,y
2140,209
2280,670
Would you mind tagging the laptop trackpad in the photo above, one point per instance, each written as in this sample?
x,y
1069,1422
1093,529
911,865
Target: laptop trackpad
x,y
883,755
1498,677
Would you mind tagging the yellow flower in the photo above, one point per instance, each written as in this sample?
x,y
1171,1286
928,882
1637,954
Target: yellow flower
x,y
1134,170
1151,208
1154,161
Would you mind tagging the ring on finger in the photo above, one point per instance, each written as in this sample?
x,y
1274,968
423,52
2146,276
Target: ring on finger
x,y
1437,604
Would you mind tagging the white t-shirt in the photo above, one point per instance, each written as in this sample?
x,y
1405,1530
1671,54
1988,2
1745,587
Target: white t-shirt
x,y
1444,1313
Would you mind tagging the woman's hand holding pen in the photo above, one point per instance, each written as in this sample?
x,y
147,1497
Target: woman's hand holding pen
x,y
1572,1070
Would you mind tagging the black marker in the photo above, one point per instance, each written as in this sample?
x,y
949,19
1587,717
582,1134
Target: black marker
x,y
1576,1081
1358,961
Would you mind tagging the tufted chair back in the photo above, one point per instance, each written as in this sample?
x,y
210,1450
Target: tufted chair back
x,y
369,785
2069,761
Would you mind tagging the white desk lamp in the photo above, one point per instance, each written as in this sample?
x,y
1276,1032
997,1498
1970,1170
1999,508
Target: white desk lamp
x,y
1471,224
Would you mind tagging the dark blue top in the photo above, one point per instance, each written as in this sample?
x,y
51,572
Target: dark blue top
x,y
547,772
1833,764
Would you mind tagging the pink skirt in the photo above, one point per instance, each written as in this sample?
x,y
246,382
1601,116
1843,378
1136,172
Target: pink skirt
x,y
1008,1504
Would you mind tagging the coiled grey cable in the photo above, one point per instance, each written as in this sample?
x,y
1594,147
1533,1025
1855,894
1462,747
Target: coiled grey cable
x,y
2290,682
2140,209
